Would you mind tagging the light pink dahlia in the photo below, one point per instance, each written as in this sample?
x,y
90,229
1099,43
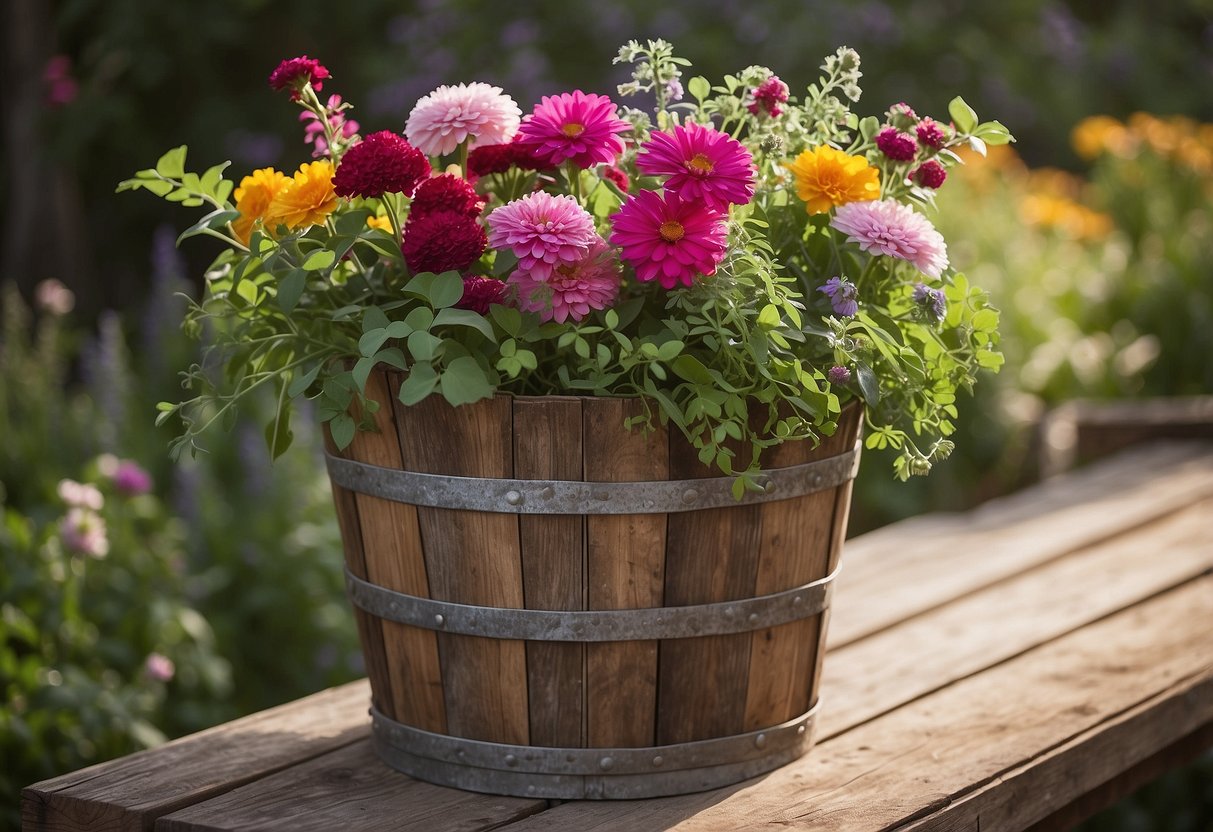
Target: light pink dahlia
x,y
449,116
701,163
575,126
667,239
887,227
543,231
571,290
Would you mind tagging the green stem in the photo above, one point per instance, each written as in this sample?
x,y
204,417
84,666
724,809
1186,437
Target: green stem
x,y
463,158
573,174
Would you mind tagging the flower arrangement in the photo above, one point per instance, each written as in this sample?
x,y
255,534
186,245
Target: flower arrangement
x,y
742,259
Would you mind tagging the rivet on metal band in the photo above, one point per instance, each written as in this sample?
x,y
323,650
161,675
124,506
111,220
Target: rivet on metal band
x,y
722,618
578,773
510,496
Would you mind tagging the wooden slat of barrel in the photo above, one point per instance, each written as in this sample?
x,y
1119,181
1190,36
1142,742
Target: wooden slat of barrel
x,y
624,566
472,558
547,445
391,543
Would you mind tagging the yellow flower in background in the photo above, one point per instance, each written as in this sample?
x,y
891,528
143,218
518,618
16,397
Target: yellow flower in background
x,y
253,197
306,200
382,223
827,178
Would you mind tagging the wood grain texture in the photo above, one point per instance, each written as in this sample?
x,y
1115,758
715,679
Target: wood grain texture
x,y
471,558
547,445
711,555
625,561
347,790
127,794
391,542
801,540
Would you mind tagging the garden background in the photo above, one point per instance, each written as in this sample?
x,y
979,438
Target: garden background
x,y
221,590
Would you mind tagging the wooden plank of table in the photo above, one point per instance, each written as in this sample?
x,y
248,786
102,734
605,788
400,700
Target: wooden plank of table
x,y
1011,534
625,564
547,446
348,789
127,794
1056,721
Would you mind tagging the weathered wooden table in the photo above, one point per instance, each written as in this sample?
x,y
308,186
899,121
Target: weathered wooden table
x,y
1015,667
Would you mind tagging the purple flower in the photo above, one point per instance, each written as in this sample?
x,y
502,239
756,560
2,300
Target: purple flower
x,y
159,668
842,294
931,301
131,480
839,375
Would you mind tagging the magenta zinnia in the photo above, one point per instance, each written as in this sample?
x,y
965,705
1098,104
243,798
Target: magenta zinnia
x,y
887,227
571,290
701,163
669,240
543,231
442,241
575,127
449,116
382,163
294,73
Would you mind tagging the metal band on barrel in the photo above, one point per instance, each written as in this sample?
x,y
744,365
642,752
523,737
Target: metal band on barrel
x,y
511,496
722,618
580,773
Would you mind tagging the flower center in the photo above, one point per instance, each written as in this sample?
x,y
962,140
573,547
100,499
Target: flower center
x,y
672,231
700,163
573,129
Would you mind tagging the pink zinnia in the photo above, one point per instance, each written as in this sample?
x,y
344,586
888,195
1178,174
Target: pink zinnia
x,y
479,293
701,163
382,163
669,240
313,127
887,227
449,116
577,127
543,231
572,289
294,73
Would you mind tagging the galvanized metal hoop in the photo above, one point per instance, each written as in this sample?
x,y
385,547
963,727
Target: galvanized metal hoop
x,y
594,773
514,496
721,618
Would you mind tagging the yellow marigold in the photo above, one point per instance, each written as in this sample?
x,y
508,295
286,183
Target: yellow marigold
x,y
253,197
382,223
306,200
1096,135
826,178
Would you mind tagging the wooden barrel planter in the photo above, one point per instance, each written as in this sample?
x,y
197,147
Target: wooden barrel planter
x,y
552,605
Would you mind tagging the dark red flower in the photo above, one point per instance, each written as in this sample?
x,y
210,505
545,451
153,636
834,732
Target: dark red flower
x,y
293,73
898,146
929,174
615,174
931,133
527,156
442,241
382,163
767,97
481,292
445,192
490,158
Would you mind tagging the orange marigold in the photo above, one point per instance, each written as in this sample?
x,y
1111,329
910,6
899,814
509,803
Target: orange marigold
x,y
306,200
827,178
253,197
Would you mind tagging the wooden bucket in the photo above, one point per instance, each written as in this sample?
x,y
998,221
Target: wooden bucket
x,y
692,656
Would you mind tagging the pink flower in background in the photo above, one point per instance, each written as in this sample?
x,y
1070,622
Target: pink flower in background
x,y
80,495
83,533
442,241
382,163
669,240
700,163
159,668
571,290
131,480
575,127
61,87
479,293
54,298
543,231
445,192
839,375
313,127
615,174
294,73
930,133
887,227
767,97
449,116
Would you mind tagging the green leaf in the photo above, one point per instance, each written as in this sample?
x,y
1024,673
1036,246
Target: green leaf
x,y
172,164
699,87
986,320
423,346
690,368
446,290
370,342
420,319
278,435
215,219
669,350
505,261
467,318
320,259
993,132
868,384
421,381
464,382
374,318
342,428
290,289
768,318
301,383
507,317
353,222
962,114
